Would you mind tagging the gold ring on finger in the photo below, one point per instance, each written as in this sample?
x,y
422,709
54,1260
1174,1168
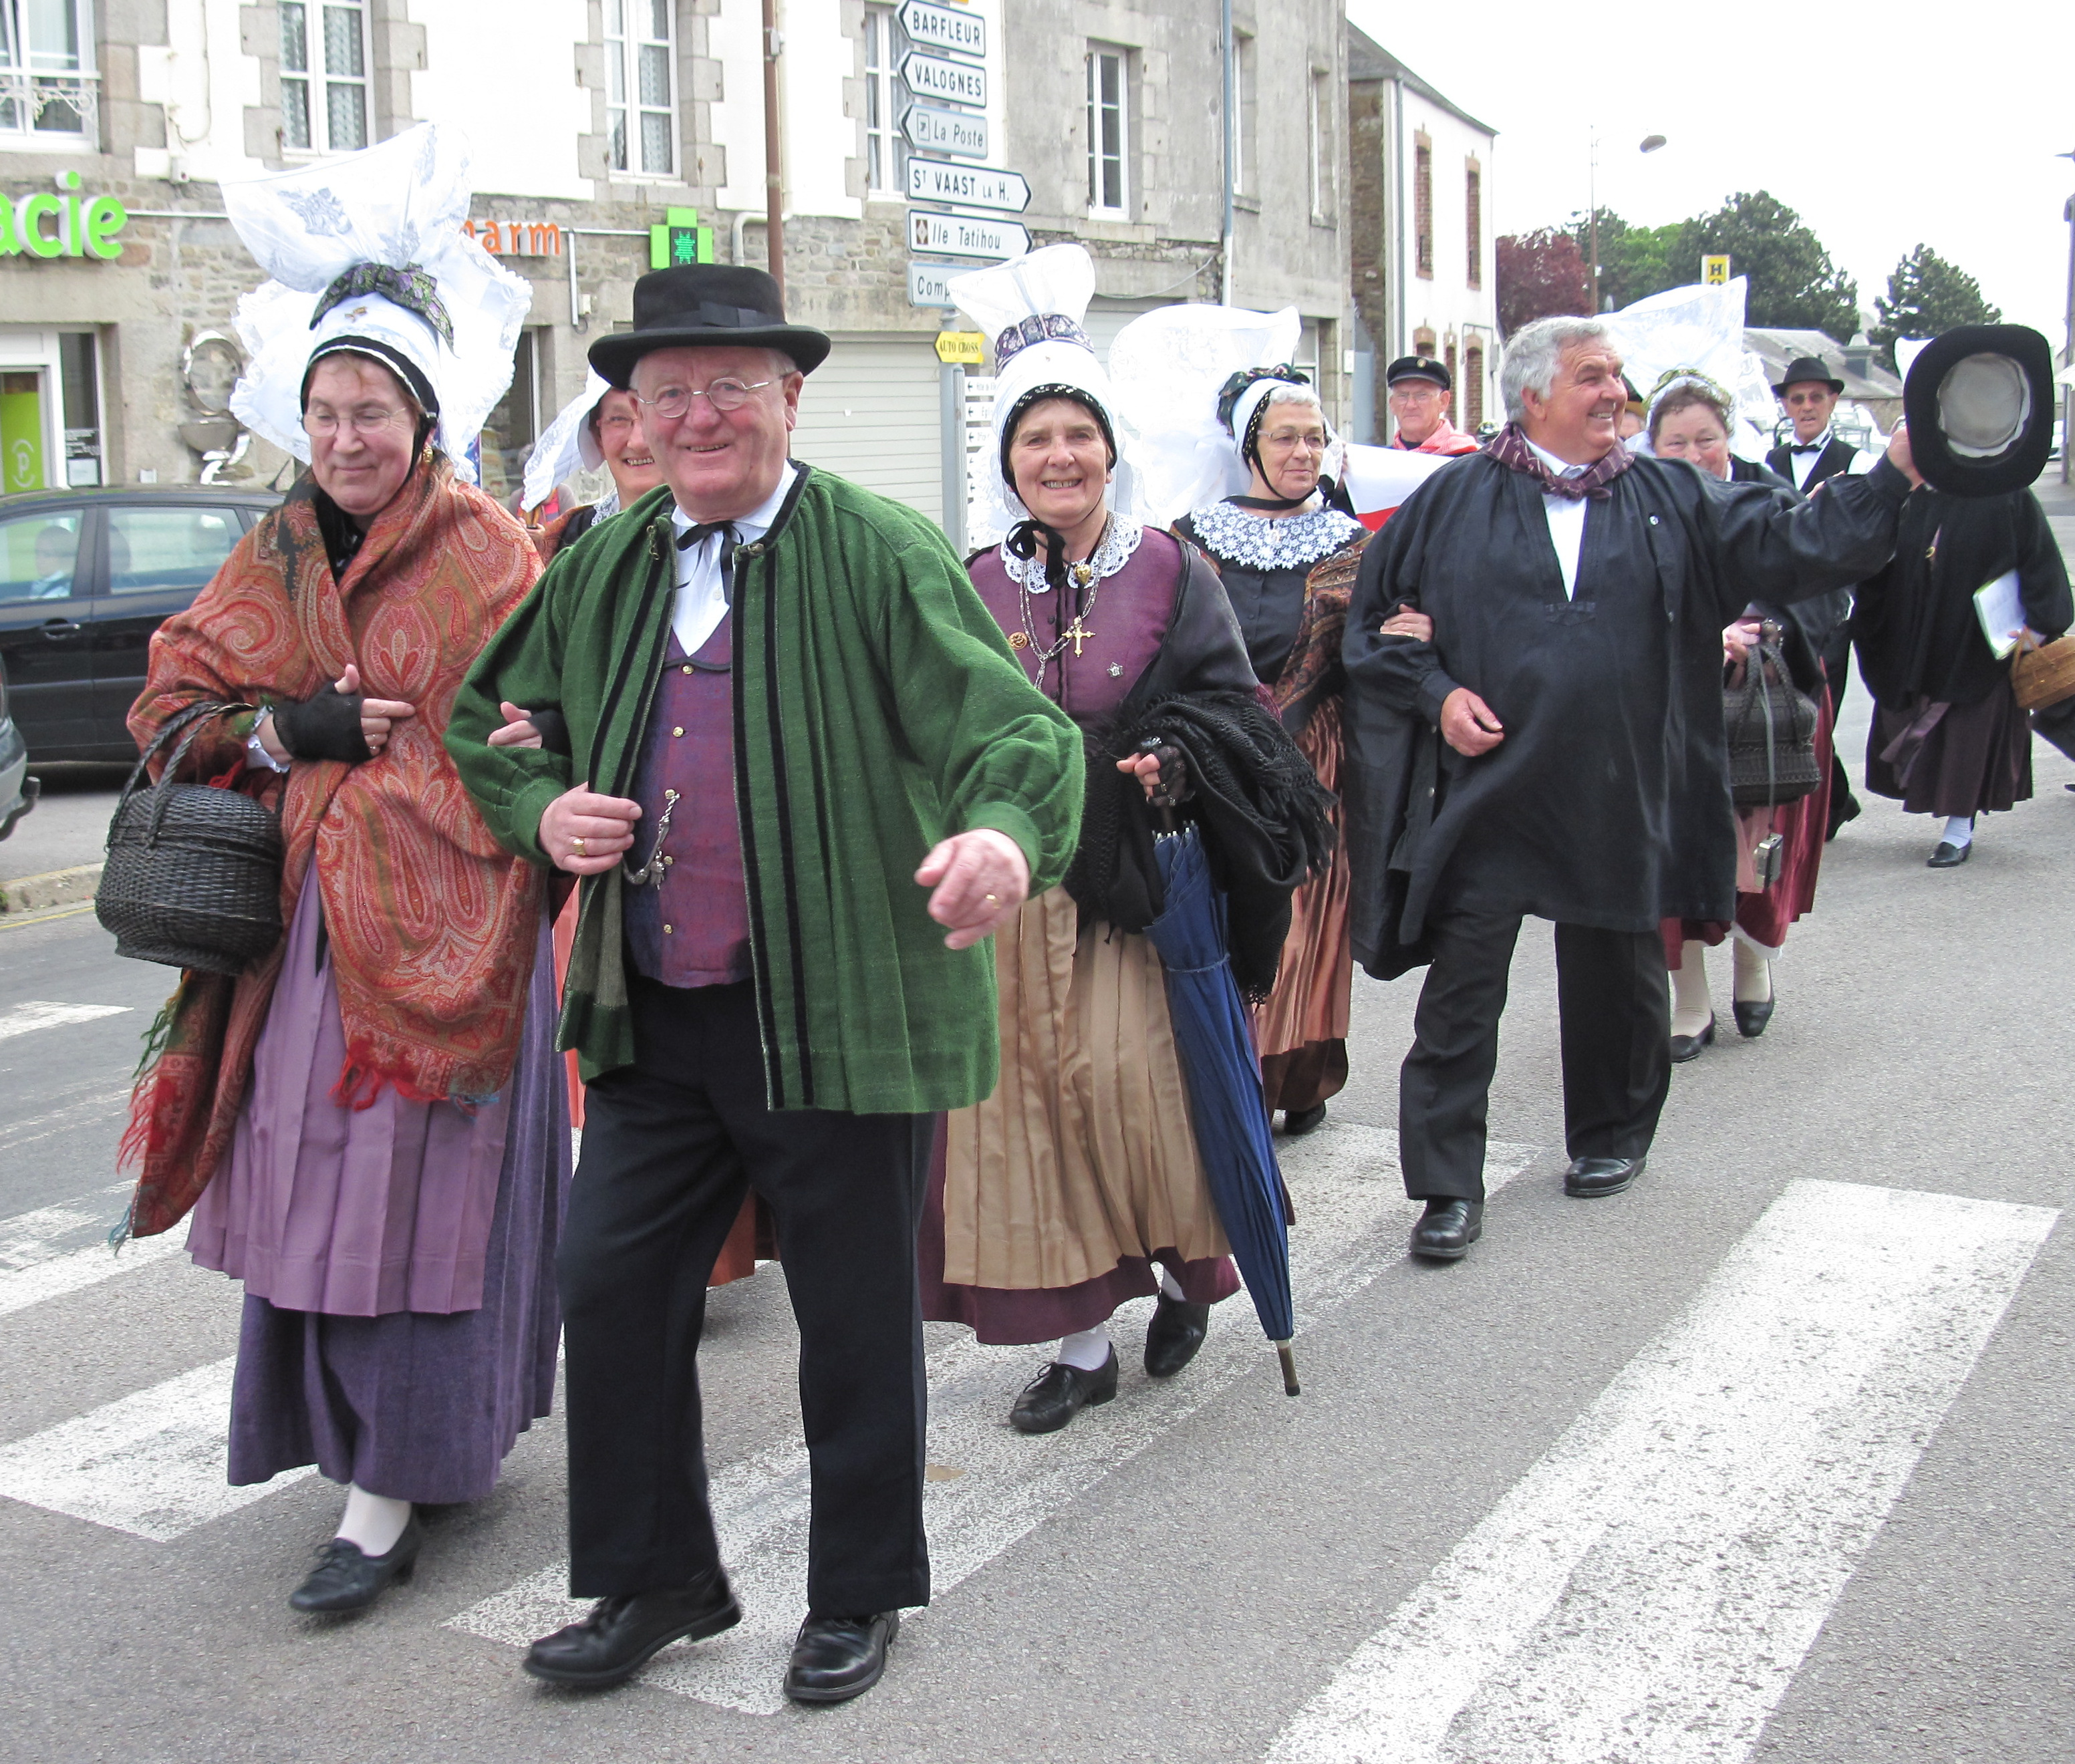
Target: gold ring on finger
x,y
577,846
993,901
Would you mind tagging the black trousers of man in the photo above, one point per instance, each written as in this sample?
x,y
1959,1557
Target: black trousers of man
x,y
1613,998
670,1146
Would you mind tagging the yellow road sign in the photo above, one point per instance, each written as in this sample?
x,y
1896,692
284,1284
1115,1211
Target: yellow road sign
x,y
1714,270
966,348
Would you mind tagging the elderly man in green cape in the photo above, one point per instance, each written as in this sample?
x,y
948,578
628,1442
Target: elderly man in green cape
x,y
765,718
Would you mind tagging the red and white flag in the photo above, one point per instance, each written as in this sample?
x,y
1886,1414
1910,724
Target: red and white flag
x,y
1378,478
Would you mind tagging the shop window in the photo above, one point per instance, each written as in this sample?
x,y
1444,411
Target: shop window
x,y
640,86
324,76
1109,187
153,549
510,431
77,373
47,81
37,555
886,98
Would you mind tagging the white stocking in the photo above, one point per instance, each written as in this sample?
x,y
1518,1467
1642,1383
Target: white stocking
x,y
1087,1350
1753,984
1170,1285
373,1520
1691,1006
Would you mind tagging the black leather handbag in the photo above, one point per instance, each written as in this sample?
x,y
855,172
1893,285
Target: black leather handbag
x,y
192,877
1771,729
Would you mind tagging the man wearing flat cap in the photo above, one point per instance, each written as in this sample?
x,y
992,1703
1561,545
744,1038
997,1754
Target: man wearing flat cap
x,y
1421,392
790,755
1809,392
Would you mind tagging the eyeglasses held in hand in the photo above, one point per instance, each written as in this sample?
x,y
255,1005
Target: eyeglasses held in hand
x,y
723,394
361,422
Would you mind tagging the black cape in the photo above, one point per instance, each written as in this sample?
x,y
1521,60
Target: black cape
x,y
1807,626
1918,633
1608,803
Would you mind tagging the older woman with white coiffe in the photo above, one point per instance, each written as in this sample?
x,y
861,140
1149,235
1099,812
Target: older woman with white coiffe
x,y
600,427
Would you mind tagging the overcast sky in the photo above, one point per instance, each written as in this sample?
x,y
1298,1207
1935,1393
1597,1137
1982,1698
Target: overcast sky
x,y
1882,126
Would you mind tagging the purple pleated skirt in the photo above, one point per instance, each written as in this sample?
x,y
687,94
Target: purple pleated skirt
x,y
417,1403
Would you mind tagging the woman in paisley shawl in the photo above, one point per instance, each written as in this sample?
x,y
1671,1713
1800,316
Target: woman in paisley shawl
x,y
369,1123
1288,560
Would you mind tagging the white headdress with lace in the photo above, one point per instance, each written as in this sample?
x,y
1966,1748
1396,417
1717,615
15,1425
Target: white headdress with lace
x,y
567,445
370,245
1031,309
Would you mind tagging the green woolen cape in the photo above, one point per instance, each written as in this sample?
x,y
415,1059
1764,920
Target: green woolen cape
x,y
878,709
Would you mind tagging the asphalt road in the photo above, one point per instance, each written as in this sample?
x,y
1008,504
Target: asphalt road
x,y
1768,1458
69,826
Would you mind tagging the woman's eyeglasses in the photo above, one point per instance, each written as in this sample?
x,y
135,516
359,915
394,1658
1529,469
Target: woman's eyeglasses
x,y
723,394
370,422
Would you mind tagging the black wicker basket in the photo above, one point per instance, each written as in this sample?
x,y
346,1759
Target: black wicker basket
x,y
192,877
1771,728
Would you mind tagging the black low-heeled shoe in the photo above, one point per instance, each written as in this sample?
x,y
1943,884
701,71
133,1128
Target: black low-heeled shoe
x,y
1949,856
1297,1121
1447,1229
1059,1393
347,1578
1687,1047
622,1634
1752,1016
1176,1331
835,1659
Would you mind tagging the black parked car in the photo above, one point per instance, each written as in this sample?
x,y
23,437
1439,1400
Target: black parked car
x,y
18,789
86,576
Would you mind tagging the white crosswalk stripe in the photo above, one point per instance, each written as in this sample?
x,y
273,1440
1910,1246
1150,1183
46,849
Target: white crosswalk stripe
x,y
37,1262
40,1014
1353,1216
1645,1593
152,1463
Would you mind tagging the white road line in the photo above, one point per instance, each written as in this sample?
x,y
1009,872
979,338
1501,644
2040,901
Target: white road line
x,y
152,1464
1645,1594
1352,1217
39,1014
34,1268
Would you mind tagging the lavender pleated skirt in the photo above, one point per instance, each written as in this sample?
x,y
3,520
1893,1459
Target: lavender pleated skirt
x,y
418,1405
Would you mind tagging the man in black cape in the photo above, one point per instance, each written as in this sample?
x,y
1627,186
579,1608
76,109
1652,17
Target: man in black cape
x,y
1557,747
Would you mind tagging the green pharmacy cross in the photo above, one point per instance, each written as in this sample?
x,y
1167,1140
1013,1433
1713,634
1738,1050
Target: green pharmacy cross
x,y
680,239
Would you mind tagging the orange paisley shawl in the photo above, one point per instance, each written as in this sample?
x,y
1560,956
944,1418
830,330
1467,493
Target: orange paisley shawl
x,y
432,923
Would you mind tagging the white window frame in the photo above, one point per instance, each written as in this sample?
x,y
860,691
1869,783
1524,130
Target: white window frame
x,y
886,100
308,91
1324,157
630,42
1106,151
37,81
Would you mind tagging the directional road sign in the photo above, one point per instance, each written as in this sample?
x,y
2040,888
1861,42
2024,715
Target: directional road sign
x,y
945,131
927,283
944,27
954,235
948,81
967,186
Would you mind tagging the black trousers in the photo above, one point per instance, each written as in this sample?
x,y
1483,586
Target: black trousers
x,y
670,1146
1613,1000
1838,666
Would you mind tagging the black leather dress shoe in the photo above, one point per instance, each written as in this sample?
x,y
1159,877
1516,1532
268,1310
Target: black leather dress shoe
x,y
1172,1337
1687,1047
1302,1120
616,1640
1949,856
346,1579
1590,1177
1447,1229
835,1659
1059,1393
1752,1018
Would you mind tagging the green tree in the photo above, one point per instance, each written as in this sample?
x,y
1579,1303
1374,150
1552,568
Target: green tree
x,y
1794,285
1636,261
1925,295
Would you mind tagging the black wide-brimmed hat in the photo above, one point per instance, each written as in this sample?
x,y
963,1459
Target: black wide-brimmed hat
x,y
691,305
1418,367
1980,401
1804,368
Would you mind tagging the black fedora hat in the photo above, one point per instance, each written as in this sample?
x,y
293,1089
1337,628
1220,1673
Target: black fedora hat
x,y
691,305
1417,367
1980,401
1803,369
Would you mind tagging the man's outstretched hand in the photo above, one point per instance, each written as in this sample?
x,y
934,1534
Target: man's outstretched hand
x,y
979,879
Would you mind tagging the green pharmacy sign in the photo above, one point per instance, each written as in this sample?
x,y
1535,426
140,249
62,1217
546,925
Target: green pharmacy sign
x,y
64,225
680,239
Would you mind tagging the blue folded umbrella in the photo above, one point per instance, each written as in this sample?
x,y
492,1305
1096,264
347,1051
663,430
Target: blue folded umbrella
x,y
1233,1134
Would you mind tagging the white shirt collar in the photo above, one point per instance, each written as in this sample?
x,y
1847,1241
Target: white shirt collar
x,y
757,522
1823,440
1562,468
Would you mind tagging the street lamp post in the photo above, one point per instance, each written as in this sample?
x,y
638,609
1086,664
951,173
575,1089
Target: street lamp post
x,y
1649,143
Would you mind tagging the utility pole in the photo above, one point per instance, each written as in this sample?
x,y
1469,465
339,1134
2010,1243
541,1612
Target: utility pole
x,y
1592,225
774,162
2068,354
1225,55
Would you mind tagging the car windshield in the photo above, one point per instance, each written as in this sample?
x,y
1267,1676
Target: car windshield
x,y
37,555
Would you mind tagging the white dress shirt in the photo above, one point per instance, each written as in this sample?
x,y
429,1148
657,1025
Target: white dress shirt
x,y
1566,520
1802,464
702,601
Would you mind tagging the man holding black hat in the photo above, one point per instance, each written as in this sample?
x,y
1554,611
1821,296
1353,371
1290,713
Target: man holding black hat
x,y
1421,392
761,991
1809,392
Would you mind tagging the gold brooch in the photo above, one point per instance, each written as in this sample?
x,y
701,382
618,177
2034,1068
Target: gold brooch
x,y
1018,639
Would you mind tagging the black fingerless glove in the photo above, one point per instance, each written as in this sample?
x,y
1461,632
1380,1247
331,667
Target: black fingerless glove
x,y
325,728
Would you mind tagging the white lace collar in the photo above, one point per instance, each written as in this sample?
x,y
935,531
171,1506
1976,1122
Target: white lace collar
x,y
1234,536
1118,544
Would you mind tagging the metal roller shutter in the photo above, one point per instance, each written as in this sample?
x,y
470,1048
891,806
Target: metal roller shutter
x,y
870,413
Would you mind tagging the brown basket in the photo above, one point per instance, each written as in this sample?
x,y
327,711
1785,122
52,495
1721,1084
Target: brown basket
x,y
2043,674
192,877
